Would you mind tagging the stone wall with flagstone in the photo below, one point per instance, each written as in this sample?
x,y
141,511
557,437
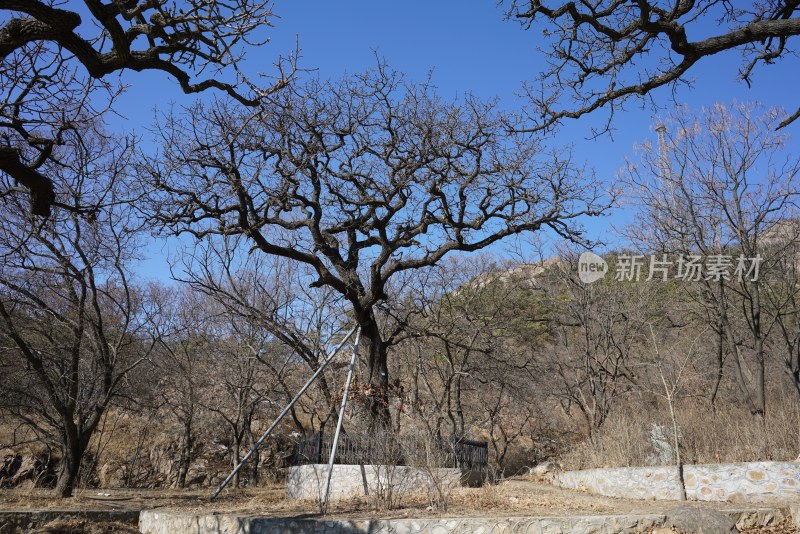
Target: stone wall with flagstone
x,y
755,481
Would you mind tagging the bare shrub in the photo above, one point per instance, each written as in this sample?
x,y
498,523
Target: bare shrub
x,y
434,458
390,480
621,442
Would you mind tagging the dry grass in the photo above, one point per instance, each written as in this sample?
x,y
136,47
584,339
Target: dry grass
x,y
83,526
784,527
510,498
729,434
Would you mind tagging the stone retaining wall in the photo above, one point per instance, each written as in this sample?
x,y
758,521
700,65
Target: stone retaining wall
x,y
160,522
308,481
152,522
740,482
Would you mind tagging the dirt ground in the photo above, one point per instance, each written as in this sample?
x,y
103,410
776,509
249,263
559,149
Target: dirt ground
x,y
513,497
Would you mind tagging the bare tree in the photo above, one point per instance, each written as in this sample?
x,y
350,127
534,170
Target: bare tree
x,y
476,334
181,361
718,185
467,360
241,386
56,64
71,323
782,293
604,53
362,179
272,292
598,329
673,369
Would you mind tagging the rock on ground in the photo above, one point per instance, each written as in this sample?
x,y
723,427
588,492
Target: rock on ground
x,y
700,520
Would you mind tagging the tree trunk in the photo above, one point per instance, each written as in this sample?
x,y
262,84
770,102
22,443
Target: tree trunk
x,y
237,457
370,411
738,365
186,451
255,459
72,448
720,348
758,344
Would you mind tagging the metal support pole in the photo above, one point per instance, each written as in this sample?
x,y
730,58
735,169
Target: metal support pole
x,y
284,412
339,423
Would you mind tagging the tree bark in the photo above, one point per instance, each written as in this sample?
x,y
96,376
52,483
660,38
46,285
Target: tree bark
x,y
186,451
370,411
72,448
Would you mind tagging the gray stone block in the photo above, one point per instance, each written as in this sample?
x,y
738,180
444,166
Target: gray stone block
x,y
700,520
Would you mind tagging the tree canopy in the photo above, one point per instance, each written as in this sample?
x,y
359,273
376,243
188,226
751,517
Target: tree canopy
x,y
56,64
362,179
603,53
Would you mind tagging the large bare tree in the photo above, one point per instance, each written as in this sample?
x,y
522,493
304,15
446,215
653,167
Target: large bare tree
x,y
597,330
57,58
362,179
604,53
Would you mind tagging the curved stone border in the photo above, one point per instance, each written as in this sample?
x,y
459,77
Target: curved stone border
x,y
756,481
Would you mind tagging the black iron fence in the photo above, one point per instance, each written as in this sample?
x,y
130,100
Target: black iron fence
x,y
389,449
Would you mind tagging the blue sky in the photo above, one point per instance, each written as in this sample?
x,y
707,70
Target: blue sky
x,y
470,47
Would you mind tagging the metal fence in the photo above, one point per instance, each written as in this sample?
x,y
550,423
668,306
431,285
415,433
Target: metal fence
x,y
389,449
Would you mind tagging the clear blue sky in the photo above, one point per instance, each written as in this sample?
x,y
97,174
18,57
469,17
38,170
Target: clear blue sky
x,y
470,48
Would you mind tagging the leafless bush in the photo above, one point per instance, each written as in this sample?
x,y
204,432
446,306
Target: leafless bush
x,y
433,458
390,480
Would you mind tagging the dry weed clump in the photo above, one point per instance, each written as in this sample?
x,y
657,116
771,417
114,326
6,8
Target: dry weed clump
x,y
487,497
727,434
621,442
733,435
84,526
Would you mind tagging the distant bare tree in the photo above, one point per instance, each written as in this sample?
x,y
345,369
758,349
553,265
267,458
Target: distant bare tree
x,y
782,292
467,360
362,179
602,54
181,360
271,292
241,386
71,322
56,63
721,183
598,331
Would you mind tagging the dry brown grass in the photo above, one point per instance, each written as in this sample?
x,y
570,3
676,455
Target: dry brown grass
x,y
786,526
83,526
729,434
510,498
